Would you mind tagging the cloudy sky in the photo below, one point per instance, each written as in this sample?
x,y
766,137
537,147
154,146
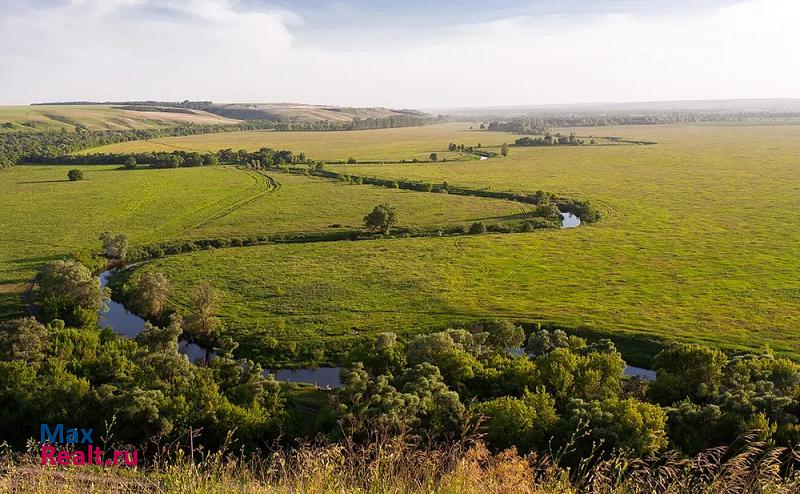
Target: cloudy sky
x,y
411,53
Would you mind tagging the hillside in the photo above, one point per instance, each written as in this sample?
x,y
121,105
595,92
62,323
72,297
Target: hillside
x,y
149,114
97,117
299,112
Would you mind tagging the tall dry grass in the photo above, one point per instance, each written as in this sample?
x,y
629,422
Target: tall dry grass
x,y
397,465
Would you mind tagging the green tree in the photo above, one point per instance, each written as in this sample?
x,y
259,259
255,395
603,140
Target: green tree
x,y
203,318
151,294
75,175
524,423
23,339
614,424
382,218
504,335
68,291
434,157
130,163
114,246
687,371
477,228
504,149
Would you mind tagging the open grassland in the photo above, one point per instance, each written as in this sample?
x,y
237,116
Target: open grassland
x,y
45,215
381,144
96,117
699,243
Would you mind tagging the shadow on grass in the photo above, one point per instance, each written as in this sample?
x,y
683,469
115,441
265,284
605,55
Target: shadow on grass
x,y
45,181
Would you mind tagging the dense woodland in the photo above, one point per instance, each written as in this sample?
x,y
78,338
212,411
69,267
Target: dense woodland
x,y
560,393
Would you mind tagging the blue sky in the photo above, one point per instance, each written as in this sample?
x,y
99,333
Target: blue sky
x,y
430,54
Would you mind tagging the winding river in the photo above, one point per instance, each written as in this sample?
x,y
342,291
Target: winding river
x,y
127,324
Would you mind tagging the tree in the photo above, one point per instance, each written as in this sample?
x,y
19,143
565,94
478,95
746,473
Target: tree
x,y
542,342
504,149
204,316
382,218
620,425
68,291
23,339
477,228
504,335
75,175
434,157
114,246
130,163
687,371
151,294
523,423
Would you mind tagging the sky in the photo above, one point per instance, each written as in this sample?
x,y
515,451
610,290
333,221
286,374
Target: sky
x,y
401,54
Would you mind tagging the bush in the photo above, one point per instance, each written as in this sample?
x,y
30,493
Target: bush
x,y
477,228
130,163
75,175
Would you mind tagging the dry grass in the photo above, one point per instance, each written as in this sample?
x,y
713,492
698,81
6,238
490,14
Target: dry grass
x,y
396,466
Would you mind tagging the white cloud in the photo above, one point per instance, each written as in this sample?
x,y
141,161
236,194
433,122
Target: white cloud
x,y
207,49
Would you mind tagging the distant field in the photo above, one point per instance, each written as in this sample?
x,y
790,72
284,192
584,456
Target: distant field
x,y
96,117
381,144
699,243
45,215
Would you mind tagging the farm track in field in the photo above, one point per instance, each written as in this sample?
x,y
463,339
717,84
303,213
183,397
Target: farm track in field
x,y
269,184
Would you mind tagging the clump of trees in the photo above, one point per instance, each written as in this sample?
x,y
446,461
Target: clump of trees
x,y
382,218
75,175
562,390
550,140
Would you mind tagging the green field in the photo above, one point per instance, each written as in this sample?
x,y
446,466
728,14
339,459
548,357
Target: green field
x,y
382,144
699,240
45,215
96,117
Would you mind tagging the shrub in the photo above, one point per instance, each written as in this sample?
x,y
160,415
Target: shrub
x,y
477,228
75,175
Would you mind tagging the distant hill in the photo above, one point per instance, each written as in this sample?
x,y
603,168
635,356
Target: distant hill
x,y
293,112
278,112
100,117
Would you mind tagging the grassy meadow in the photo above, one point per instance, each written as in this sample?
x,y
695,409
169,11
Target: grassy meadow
x,y
45,215
380,144
698,241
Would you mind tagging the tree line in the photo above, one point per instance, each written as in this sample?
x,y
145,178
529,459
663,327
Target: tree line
x,y
539,125
549,139
555,392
